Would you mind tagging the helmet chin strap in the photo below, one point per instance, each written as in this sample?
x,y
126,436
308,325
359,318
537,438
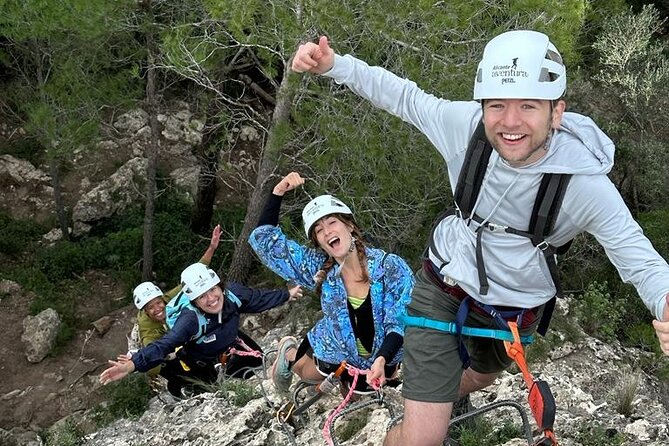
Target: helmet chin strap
x,y
549,137
350,250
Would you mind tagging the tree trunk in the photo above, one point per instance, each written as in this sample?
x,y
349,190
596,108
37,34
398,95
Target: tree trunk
x,y
54,171
243,257
151,150
52,155
203,209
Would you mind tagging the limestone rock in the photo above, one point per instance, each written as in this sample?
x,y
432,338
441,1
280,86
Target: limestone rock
x,y
39,334
113,194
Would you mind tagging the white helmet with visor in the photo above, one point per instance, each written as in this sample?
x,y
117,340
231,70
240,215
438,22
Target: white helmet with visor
x,y
520,65
320,207
144,293
197,279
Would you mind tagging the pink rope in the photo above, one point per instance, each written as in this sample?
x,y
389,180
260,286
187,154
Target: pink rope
x,y
355,373
248,351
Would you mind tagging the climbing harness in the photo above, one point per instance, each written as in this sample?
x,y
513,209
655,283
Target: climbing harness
x,y
291,412
540,398
450,327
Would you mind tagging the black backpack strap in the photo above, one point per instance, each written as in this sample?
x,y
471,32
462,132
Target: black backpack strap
x,y
473,170
469,183
546,208
547,205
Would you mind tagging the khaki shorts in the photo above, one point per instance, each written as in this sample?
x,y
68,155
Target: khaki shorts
x,y
432,367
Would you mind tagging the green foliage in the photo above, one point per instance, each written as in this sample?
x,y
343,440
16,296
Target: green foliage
x,y
64,434
598,313
237,391
484,431
64,297
64,260
352,425
17,235
24,148
127,398
597,12
116,244
595,435
562,329
654,224
54,273
63,66
642,336
627,93
346,146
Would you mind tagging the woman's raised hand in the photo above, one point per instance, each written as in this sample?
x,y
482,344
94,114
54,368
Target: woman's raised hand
x,y
288,183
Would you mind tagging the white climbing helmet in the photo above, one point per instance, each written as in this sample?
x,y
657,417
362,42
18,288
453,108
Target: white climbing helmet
x,y
197,279
520,65
321,206
144,293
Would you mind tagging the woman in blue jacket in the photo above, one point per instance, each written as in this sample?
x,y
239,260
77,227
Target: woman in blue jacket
x,y
362,290
204,321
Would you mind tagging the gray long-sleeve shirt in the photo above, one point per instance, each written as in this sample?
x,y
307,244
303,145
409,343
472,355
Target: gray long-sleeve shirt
x,y
517,271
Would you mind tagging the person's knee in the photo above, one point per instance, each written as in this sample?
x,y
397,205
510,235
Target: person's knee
x,y
424,424
476,380
305,368
405,434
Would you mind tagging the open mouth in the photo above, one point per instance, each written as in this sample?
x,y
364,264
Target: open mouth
x,y
334,242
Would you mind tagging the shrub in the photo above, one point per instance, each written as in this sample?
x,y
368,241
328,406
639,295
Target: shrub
x,y
64,434
237,391
63,261
598,313
353,425
595,435
127,398
643,336
654,224
64,298
17,235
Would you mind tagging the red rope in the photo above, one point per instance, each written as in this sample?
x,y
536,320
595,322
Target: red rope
x,y
355,373
248,351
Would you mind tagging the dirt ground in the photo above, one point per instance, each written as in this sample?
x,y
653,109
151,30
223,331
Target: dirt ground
x,y
34,396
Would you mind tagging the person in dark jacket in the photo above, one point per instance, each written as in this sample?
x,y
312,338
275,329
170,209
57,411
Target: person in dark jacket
x,y
206,328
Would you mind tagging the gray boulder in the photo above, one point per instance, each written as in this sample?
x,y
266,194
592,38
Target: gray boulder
x,y
39,334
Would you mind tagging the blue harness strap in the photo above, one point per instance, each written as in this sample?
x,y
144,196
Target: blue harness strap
x,y
500,317
450,327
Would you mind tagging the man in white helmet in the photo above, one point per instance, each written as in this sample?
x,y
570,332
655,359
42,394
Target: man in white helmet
x,y
518,93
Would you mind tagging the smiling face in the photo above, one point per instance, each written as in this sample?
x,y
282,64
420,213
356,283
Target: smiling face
x,y
333,235
518,129
211,301
155,309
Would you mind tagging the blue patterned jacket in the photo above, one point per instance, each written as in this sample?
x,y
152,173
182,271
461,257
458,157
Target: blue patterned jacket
x,y
332,338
